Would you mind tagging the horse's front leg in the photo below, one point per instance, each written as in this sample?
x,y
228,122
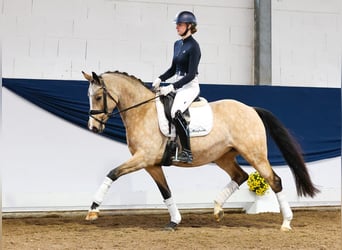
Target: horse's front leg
x,y
135,163
158,176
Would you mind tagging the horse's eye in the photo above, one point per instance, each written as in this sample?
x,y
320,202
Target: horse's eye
x,y
98,98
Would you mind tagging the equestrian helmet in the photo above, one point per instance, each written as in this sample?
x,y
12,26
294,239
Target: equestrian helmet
x,y
185,17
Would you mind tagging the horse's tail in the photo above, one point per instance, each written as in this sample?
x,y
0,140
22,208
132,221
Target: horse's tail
x,y
291,152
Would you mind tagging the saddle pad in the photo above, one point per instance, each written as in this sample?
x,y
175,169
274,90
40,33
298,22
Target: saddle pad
x,y
201,117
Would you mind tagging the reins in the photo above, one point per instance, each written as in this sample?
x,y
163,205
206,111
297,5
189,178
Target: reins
x,y
132,107
105,107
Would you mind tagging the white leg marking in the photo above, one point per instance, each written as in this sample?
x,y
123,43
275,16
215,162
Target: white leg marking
x,y
221,198
173,210
285,210
98,198
226,193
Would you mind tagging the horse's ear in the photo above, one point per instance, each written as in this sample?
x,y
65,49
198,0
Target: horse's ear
x,y
87,76
96,78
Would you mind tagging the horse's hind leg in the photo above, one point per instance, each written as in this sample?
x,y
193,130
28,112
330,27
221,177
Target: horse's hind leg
x,y
263,166
238,176
282,201
275,182
158,176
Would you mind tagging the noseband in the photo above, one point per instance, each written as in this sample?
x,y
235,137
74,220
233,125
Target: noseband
x,y
105,93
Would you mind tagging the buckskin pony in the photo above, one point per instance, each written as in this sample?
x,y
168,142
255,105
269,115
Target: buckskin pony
x,y
237,129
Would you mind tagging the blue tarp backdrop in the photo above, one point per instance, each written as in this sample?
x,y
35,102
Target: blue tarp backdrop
x,y
313,115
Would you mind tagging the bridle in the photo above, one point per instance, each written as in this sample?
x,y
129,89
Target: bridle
x,y
105,111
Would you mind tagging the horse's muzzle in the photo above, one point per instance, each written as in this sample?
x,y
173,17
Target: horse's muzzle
x,y
95,129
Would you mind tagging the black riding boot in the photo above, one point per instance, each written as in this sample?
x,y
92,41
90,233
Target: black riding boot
x,y
184,137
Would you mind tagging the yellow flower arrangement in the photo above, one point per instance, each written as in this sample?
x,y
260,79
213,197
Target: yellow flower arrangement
x,y
257,184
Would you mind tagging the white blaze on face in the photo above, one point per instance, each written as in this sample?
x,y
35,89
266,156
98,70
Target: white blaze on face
x,y
91,93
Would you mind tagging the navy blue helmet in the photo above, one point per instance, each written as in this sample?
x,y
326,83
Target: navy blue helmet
x,y
185,17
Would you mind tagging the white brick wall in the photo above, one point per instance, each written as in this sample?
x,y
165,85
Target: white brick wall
x,y
306,43
226,38
57,39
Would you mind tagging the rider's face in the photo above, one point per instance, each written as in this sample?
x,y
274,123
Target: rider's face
x,y
181,28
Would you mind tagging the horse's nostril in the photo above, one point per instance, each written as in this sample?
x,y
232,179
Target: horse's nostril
x,y
95,129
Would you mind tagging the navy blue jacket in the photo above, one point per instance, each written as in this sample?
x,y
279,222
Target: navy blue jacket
x,y
186,57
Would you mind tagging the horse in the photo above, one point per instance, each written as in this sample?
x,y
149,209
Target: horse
x,y
238,129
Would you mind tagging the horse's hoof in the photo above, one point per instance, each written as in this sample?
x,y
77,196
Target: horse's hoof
x,y
92,215
218,211
219,215
171,226
285,229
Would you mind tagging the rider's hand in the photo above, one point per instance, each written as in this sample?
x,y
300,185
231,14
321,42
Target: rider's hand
x,y
167,89
156,83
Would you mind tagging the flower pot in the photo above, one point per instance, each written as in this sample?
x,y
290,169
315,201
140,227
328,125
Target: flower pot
x,y
266,203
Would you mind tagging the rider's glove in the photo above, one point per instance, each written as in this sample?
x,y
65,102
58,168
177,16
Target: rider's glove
x,y
167,89
156,83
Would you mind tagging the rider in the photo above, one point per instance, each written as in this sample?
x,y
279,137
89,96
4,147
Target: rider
x,y
186,57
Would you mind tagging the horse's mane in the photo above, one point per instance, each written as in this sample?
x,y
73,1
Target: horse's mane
x,y
129,76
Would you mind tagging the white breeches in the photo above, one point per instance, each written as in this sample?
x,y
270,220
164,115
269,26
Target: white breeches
x,y
185,96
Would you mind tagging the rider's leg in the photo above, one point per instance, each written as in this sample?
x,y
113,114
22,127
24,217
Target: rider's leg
x,y
184,97
184,137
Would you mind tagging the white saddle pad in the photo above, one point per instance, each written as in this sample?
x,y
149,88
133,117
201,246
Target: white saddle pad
x,y
201,119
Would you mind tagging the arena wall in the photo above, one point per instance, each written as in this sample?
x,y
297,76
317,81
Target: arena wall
x,y
306,43
43,163
58,39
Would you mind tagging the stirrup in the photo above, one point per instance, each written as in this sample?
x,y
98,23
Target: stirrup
x,y
184,156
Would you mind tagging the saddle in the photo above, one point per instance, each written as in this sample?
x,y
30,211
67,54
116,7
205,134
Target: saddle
x,y
167,102
199,118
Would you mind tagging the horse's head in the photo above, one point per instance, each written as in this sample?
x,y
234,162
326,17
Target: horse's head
x,y
101,102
